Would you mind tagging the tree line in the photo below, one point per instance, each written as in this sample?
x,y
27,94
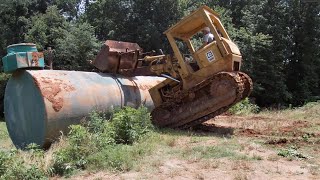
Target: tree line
x,y
279,39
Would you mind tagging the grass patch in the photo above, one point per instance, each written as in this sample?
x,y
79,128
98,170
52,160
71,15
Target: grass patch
x,y
14,165
124,157
223,150
5,141
310,112
292,152
208,152
244,107
3,131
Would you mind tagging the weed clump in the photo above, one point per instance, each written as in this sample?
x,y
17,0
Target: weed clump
x,y
12,166
292,152
73,156
129,125
104,143
244,107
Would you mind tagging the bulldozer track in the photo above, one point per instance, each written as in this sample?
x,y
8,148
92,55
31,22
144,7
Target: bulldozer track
x,y
248,85
246,90
180,114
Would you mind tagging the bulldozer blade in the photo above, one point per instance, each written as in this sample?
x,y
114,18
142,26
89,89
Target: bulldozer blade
x,y
115,55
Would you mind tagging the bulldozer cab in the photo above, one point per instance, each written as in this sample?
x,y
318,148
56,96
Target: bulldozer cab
x,y
209,59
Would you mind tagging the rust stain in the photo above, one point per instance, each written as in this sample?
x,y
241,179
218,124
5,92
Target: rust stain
x,y
69,88
50,94
59,80
52,90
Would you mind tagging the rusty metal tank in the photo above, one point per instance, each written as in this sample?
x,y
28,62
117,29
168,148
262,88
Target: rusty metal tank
x,y
39,105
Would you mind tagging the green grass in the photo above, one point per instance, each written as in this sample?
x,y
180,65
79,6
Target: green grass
x,y
292,152
126,157
309,112
3,131
200,149
244,107
5,141
208,152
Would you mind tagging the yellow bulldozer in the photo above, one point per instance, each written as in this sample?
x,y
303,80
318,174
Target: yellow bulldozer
x,y
200,84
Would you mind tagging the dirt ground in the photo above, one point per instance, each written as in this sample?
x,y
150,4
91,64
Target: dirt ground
x,y
256,141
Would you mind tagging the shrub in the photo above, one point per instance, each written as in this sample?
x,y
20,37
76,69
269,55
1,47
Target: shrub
x,y
13,167
74,155
102,142
117,157
3,163
123,157
244,107
292,152
3,82
101,130
129,125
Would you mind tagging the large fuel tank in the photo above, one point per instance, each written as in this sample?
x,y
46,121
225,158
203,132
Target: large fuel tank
x,y
40,104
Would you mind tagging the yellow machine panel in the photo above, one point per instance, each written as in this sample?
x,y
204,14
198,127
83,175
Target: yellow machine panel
x,y
208,55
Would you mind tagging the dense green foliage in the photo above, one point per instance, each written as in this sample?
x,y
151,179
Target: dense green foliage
x,y
104,143
13,167
98,143
244,107
3,81
279,40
